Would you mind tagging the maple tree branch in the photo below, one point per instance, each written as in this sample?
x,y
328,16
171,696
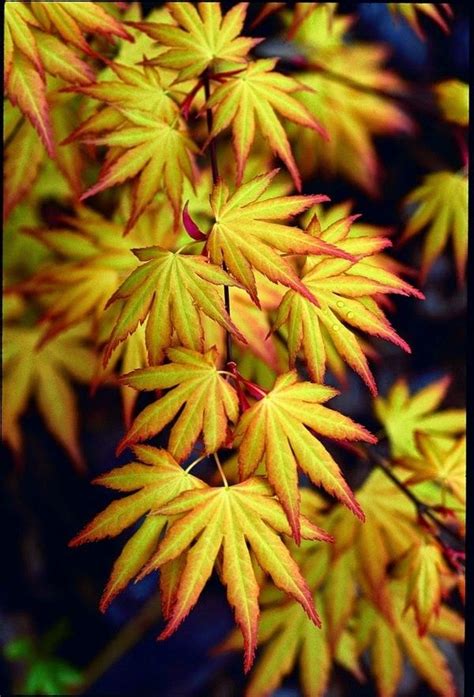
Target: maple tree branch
x,y
13,133
215,179
212,144
424,510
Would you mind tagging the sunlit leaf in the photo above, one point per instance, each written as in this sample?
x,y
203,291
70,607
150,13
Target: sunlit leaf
x,y
278,429
208,399
152,481
441,207
254,95
404,415
229,518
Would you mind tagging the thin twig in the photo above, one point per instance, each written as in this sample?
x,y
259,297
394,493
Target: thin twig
x,y
423,509
215,179
13,133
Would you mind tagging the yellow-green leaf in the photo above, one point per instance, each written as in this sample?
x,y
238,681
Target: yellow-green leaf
x,y
152,481
278,430
209,402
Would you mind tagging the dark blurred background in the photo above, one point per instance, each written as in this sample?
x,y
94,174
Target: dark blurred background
x,y
45,584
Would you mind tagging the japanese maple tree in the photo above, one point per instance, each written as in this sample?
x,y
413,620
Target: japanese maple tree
x,y
191,262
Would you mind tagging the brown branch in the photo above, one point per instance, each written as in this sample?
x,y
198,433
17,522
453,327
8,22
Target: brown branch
x,y
424,510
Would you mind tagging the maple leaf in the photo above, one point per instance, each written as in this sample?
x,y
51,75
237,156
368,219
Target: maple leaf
x,y
421,568
345,106
290,639
244,235
275,430
389,643
26,89
392,527
442,207
404,416
203,39
43,373
229,517
344,292
173,291
137,89
442,460
41,670
71,19
257,93
31,51
91,260
23,156
154,480
156,154
453,99
208,399
409,10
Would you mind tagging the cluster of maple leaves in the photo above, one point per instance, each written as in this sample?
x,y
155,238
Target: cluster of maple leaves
x,y
198,257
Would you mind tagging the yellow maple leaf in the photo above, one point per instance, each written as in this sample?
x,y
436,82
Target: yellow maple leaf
x,y
442,208
154,480
352,111
202,39
44,373
388,644
346,293
172,291
276,430
229,517
421,568
245,235
254,95
404,416
443,460
208,399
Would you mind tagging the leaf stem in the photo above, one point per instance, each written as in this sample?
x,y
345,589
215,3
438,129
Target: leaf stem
x,y
195,462
185,246
221,471
215,179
